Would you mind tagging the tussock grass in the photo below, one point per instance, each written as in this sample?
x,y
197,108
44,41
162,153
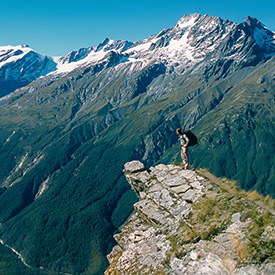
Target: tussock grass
x,y
256,196
212,215
253,195
242,251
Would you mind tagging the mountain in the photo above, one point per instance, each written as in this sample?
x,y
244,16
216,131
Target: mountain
x,y
185,223
20,65
66,136
187,43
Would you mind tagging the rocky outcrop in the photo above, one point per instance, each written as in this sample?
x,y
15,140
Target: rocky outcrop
x,y
186,224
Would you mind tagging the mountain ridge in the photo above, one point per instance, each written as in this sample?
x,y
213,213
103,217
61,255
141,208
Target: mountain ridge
x,y
177,42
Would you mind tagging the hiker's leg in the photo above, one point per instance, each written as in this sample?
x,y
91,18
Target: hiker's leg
x,y
184,156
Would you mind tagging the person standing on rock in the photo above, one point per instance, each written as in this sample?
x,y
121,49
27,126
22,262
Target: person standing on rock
x,y
184,140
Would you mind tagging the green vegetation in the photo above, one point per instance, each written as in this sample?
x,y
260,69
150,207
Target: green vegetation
x,y
11,265
78,215
261,249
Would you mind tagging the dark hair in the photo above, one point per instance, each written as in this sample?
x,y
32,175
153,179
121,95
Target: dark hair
x,y
179,131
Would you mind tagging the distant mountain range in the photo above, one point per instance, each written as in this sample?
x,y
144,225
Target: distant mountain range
x,y
67,132
184,45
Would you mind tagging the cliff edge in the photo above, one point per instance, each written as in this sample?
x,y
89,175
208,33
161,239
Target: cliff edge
x,y
185,223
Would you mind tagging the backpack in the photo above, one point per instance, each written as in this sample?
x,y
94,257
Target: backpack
x,y
193,140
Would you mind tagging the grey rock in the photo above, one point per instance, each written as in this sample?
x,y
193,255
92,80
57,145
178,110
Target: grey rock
x,y
250,270
181,210
267,269
152,213
190,196
212,264
178,266
175,181
188,174
269,234
197,185
181,189
236,218
163,198
155,188
162,167
134,166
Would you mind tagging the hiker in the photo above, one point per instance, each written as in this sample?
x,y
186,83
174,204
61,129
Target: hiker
x,y
184,140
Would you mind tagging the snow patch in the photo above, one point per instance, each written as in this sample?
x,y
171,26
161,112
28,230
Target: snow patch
x,y
187,22
92,57
181,45
140,47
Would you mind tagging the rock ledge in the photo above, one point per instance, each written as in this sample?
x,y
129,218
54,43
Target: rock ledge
x,y
155,239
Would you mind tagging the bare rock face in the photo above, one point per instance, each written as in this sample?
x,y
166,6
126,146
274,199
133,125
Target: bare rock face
x,y
160,237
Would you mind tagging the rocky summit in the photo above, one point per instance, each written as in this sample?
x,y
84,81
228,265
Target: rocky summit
x,y
185,223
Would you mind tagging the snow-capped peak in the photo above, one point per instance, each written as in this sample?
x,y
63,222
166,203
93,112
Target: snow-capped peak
x,y
12,53
19,65
90,55
188,20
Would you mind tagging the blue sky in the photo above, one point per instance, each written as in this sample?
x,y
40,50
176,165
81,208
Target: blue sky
x,y
57,27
